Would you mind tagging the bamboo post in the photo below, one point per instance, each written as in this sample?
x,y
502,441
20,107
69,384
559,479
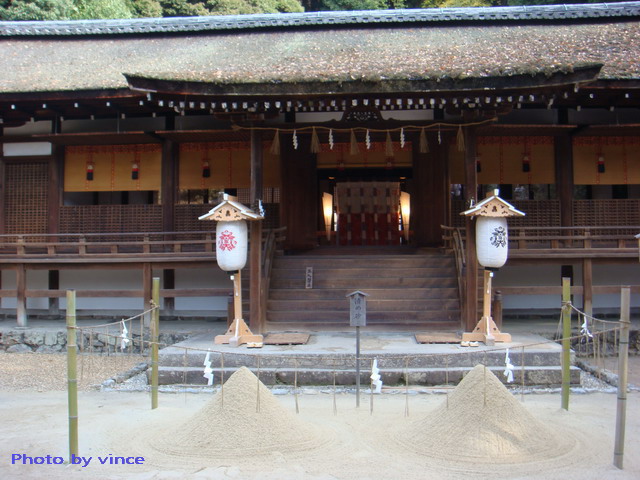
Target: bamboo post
x,y
72,374
566,341
623,358
155,332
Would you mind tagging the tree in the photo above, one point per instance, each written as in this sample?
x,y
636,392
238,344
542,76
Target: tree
x,y
36,9
240,7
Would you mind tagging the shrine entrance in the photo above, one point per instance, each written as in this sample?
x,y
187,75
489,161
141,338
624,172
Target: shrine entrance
x,y
368,213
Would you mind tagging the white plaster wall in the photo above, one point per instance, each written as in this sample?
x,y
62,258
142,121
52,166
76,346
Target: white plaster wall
x,y
29,128
549,275
36,279
544,275
25,149
103,280
202,278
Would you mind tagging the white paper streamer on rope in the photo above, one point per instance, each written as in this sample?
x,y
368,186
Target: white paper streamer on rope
x,y
402,140
375,377
584,328
331,138
124,336
208,371
295,140
508,371
367,140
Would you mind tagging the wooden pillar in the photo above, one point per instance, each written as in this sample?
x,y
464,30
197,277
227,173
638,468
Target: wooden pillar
x,y
430,193
169,185
21,295
471,270
255,240
54,284
169,283
55,200
587,286
299,204
147,281
2,184
563,156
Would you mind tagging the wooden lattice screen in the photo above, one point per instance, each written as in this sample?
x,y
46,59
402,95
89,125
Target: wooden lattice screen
x,y
26,197
613,212
110,218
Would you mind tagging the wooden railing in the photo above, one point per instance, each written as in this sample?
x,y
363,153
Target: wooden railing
x,y
587,241
105,246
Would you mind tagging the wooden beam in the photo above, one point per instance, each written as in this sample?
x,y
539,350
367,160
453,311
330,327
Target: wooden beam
x,y
470,192
169,185
147,281
587,285
54,284
169,284
21,297
563,157
255,241
430,193
299,205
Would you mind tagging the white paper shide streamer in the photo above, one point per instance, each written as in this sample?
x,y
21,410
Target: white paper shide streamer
x,y
508,370
208,371
124,336
584,328
375,377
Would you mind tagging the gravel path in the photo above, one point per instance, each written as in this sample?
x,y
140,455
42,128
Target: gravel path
x,y
48,372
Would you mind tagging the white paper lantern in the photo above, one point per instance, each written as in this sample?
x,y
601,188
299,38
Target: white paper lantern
x,y
492,241
231,245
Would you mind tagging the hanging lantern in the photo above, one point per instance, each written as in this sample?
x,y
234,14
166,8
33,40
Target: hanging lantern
x,y
231,245
492,241
206,169
327,213
492,248
492,238
526,164
231,232
89,171
135,171
405,211
601,168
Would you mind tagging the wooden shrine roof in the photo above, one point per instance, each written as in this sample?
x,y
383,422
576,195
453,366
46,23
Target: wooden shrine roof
x,y
327,52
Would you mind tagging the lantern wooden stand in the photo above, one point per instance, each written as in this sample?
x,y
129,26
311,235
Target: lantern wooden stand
x,y
231,255
492,244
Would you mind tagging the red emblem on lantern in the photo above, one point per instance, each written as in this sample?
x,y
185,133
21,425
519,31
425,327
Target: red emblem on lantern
x,y
227,241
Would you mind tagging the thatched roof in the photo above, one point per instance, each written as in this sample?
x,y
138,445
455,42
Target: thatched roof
x,y
399,53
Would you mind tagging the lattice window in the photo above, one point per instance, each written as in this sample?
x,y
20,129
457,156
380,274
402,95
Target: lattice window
x,y
26,197
110,218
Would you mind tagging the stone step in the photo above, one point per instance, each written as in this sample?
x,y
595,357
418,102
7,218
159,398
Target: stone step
x,y
445,293
539,376
465,358
386,272
342,316
365,282
364,261
373,304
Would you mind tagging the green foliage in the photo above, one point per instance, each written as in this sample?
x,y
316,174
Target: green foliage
x,y
64,9
37,10
95,9
240,7
146,8
182,8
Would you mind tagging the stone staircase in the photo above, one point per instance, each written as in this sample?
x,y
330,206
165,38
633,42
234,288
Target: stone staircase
x,y
418,290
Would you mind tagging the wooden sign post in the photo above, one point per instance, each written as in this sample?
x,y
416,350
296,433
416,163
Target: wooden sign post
x,y
357,318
